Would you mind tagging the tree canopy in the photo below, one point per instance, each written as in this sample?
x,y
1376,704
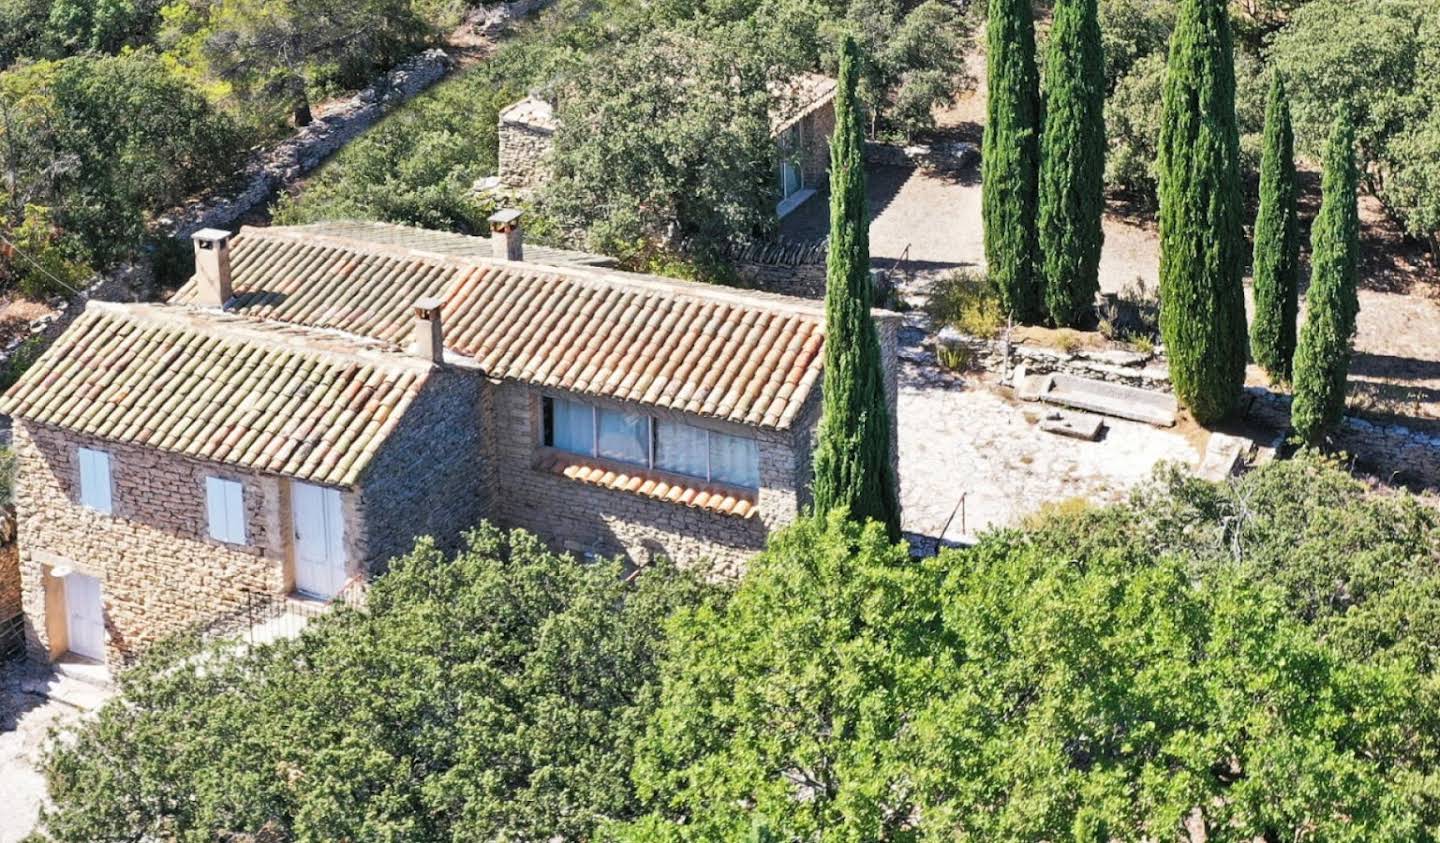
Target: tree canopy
x,y
1202,242
495,695
1257,659
854,469
1221,662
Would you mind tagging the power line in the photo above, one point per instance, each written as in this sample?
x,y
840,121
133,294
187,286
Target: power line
x,y
36,264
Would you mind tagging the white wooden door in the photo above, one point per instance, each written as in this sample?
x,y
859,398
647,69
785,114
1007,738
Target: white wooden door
x,y
319,540
85,617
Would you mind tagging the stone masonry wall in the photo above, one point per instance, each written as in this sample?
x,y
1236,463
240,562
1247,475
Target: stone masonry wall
x,y
524,155
815,133
432,477
160,571
581,518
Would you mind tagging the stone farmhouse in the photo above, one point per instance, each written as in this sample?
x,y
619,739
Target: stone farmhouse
x,y
802,121
316,397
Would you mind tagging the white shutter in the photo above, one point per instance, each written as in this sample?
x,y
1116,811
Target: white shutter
x,y
95,479
225,508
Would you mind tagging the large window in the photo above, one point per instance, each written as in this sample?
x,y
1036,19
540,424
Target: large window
x,y
656,443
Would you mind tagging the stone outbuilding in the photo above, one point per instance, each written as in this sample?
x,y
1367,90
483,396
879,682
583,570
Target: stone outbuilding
x,y
802,120
317,397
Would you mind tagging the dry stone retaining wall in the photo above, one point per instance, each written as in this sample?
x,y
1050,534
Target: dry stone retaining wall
x,y
1393,452
792,268
281,166
944,157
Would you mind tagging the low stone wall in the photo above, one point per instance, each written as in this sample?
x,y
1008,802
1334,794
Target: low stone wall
x,y
1130,368
1393,452
945,157
791,268
282,165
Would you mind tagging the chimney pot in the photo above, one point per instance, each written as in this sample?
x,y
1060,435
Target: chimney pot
x,y
506,235
212,267
429,335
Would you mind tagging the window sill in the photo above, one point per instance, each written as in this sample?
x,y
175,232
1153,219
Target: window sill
x,y
717,498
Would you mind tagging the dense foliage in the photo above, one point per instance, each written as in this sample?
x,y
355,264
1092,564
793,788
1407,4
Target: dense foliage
x,y
853,467
1381,61
1249,660
1202,243
668,109
1277,244
495,695
88,147
1322,359
1231,663
1010,161
418,167
1072,163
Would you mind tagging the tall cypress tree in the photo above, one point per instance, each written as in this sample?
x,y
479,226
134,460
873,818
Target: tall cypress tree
x,y
852,453
1072,162
1277,243
1010,164
1202,242
1322,358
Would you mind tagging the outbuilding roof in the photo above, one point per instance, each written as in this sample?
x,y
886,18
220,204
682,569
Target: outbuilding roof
x,y
283,399
741,356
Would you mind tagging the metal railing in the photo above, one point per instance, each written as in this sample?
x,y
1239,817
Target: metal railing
x,y
266,616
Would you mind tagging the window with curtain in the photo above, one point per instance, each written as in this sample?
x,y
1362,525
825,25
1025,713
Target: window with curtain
x,y
624,436
640,439
682,449
734,460
570,426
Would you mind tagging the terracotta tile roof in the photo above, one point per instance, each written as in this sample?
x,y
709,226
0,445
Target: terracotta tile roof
x,y
446,242
721,500
742,356
274,398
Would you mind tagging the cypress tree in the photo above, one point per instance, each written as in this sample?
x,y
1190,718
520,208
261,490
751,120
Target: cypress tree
x,y
1010,163
1072,163
1277,243
1322,358
1202,299
852,465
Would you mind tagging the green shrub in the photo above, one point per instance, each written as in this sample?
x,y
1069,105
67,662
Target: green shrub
x,y
21,359
966,301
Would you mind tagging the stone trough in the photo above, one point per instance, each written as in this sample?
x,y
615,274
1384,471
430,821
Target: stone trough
x,y
1110,399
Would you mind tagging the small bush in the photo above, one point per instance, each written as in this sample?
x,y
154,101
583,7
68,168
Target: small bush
x,y
954,358
23,358
966,301
1068,341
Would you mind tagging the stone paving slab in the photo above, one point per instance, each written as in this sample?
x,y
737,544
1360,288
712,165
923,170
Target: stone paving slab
x,y
1112,399
1074,425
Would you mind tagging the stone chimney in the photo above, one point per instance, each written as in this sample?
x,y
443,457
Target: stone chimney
x,y
429,337
212,267
506,236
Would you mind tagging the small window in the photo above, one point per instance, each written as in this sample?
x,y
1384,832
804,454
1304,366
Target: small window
x,y
95,480
569,426
225,504
624,437
682,448
734,460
